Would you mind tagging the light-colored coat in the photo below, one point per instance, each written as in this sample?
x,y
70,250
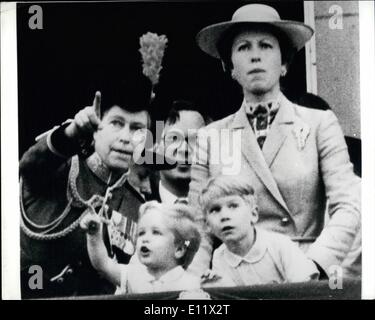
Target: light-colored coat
x,y
304,163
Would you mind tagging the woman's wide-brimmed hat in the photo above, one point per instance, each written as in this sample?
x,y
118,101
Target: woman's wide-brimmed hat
x,y
257,15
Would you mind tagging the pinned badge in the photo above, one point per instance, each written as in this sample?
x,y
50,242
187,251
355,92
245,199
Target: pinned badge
x,y
301,131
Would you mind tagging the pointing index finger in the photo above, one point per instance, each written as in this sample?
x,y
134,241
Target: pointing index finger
x,y
96,103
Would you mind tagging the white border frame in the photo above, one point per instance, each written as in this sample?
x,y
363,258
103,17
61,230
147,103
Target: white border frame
x,y
10,235
9,135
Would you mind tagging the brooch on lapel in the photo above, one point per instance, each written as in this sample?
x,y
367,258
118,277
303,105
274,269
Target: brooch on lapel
x,y
301,131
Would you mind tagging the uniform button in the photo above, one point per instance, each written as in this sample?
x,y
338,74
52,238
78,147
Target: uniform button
x,y
69,271
60,280
284,221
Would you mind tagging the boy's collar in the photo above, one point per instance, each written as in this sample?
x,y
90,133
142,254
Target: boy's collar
x,y
255,254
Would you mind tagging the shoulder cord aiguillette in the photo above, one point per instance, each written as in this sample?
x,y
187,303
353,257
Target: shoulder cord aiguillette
x,y
73,199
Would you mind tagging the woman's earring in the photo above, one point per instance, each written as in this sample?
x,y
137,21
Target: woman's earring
x,y
283,72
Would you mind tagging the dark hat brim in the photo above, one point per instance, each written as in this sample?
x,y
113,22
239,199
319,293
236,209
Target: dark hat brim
x,y
297,32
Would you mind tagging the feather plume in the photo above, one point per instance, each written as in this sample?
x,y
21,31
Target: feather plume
x,y
152,51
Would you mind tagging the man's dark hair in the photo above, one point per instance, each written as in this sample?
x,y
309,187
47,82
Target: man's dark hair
x,y
182,105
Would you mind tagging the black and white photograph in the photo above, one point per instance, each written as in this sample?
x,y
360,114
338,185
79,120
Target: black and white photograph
x,y
187,150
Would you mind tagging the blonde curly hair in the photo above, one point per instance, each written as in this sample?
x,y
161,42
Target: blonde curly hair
x,y
183,226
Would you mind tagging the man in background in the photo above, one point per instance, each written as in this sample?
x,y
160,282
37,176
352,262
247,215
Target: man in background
x,y
176,144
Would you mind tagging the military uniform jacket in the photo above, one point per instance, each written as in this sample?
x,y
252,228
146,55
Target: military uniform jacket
x,y
55,192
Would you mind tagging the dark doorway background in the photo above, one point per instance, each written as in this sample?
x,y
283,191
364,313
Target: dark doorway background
x,y
82,44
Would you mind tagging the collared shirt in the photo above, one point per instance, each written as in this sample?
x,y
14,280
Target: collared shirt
x,y
261,121
165,195
251,107
168,197
274,258
135,278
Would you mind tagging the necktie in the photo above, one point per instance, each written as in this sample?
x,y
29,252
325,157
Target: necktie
x,y
261,116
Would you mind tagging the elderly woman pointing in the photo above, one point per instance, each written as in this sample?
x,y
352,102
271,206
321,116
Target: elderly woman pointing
x,y
296,158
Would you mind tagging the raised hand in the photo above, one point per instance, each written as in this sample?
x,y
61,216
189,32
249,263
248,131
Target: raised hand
x,y
86,121
91,223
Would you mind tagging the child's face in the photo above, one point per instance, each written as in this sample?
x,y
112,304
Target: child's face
x,y
156,242
231,218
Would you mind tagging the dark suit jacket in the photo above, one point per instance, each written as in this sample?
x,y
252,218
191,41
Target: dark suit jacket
x,y
154,184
